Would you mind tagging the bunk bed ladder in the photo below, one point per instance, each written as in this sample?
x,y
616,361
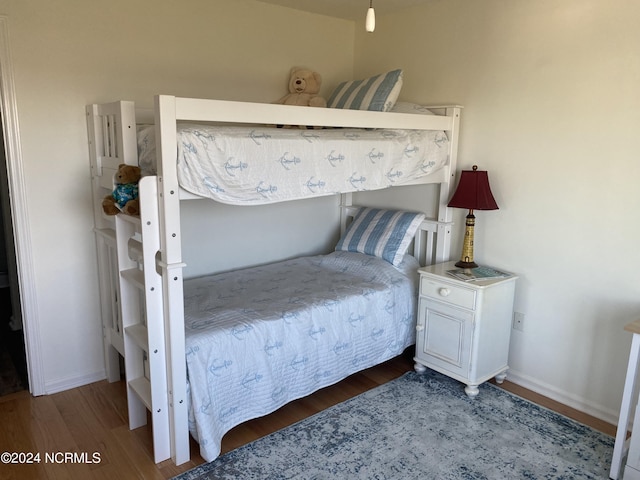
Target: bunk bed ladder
x,y
141,307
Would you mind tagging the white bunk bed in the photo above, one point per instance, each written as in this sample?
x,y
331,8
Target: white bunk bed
x,y
140,258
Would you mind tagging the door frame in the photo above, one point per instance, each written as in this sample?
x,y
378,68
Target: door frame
x,y
20,215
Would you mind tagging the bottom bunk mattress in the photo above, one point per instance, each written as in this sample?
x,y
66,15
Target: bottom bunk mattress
x,y
261,337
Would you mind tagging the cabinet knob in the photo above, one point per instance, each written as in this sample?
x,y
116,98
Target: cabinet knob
x,y
444,292
419,328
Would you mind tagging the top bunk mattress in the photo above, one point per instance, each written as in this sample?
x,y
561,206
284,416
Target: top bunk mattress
x,y
261,164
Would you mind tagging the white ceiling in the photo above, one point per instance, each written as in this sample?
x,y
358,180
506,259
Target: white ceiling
x,y
347,9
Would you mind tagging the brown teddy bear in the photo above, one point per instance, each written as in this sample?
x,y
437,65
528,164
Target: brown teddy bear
x,y
304,85
124,197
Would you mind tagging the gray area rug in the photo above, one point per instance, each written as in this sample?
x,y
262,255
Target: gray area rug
x,y
422,426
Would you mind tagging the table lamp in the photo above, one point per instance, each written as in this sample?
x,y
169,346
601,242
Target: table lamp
x,y
473,193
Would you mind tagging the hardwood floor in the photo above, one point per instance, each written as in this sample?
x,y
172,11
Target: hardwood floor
x,y
91,423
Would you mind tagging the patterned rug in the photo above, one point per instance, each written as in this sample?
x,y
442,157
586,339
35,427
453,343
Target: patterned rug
x,y
422,426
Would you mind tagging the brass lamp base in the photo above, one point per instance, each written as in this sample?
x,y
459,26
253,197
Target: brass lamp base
x,y
466,260
461,264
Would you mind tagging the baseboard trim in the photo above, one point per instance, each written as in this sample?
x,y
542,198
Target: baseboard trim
x,y
63,384
513,376
554,393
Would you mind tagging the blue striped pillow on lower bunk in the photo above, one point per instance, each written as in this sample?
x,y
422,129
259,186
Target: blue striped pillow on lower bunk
x,y
382,233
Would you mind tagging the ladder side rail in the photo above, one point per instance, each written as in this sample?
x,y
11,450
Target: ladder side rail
x,y
154,310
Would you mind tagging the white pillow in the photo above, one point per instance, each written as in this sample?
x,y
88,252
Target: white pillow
x,y
378,93
408,107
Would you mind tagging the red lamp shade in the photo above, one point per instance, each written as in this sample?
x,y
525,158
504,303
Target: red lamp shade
x,y
473,191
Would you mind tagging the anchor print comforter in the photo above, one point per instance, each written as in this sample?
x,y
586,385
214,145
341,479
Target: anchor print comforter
x,y
261,337
249,166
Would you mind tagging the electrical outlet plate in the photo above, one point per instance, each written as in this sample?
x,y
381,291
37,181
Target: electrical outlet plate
x,y
518,321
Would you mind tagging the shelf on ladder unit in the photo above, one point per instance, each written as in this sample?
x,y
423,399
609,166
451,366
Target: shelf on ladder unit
x,y
135,276
135,250
129,218
109,234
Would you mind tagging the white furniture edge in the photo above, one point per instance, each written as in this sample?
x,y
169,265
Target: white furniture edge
x,y
628,446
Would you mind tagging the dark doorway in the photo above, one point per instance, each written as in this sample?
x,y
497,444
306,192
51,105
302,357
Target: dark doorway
x,y
13,364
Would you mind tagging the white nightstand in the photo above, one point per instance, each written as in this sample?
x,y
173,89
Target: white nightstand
x,y
463,328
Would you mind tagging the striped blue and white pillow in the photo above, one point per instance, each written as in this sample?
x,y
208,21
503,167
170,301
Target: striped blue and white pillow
x,y
378,93
382,233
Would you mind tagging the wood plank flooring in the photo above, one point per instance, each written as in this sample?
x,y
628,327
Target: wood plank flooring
x,y
91,422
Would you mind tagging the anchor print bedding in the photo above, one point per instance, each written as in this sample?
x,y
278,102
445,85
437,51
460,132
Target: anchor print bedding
x,y
260,165
261,337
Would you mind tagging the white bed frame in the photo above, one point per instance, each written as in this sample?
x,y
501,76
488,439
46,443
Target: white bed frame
x,y
140,259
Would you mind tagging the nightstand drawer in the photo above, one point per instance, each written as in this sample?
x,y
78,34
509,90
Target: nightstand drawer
x,y
448,293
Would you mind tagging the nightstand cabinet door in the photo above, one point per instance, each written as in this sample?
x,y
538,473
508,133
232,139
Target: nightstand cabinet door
x,y
444,336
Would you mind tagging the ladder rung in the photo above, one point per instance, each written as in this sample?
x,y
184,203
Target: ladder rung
x,y
135,276
139,335
135,250
142,387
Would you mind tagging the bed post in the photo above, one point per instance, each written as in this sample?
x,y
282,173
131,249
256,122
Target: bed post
x,y
445,214
346,201
171,266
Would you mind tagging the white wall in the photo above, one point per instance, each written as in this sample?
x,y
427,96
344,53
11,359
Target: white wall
x,y
68,53
552,111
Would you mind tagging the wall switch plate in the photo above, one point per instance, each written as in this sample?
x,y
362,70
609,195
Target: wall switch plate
x,y
518,321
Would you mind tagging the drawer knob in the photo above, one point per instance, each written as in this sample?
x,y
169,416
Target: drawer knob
x,y
444,292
